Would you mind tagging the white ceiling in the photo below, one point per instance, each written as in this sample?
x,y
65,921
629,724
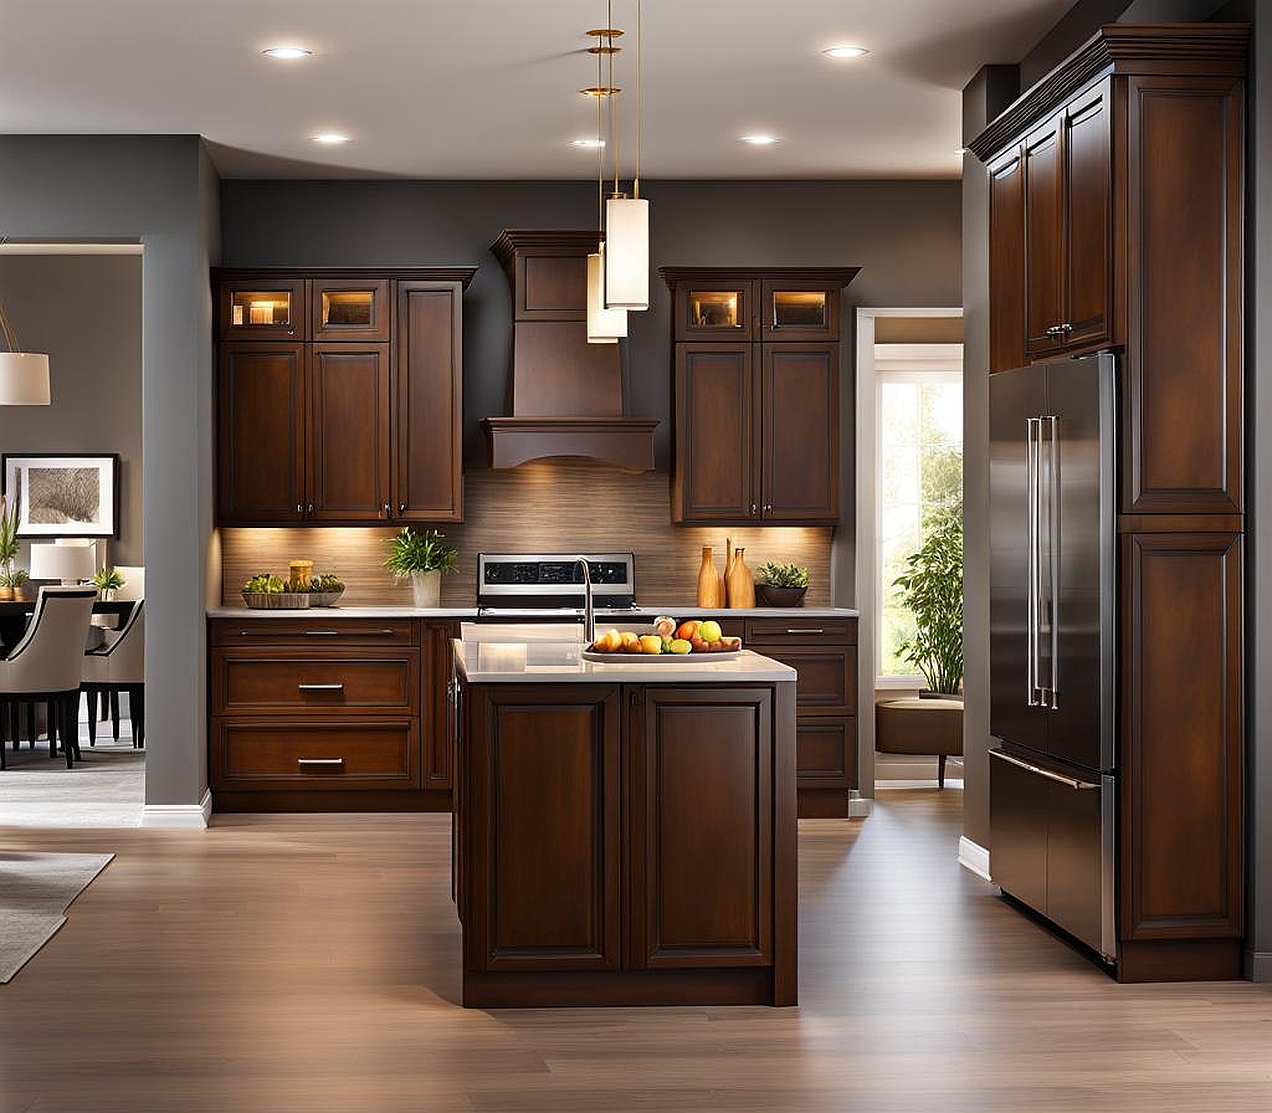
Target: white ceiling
x,y
433,89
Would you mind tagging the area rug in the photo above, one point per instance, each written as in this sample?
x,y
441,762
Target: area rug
x,y
35,892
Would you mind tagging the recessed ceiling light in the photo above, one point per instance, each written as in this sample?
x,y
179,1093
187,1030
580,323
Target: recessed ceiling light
x,y
287,53
592,143
329,137
845,51
759,140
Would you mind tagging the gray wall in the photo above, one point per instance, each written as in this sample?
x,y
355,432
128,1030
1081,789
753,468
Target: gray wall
x,y
157,190
904,235
85,312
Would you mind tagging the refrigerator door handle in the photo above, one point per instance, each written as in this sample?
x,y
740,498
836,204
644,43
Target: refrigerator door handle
x,y
1033,664
1039,771
1053,546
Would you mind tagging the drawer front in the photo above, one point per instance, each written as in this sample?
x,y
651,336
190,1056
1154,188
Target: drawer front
x,y
342,632
324,684
826,753
802,631
380,754
827,681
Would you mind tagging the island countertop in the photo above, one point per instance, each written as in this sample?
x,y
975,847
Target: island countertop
x,y
604,616
559,662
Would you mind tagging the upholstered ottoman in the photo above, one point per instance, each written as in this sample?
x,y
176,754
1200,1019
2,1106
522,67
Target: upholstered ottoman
x,y
921,726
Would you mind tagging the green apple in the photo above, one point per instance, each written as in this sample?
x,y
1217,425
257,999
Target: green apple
x,y
679,645
709,631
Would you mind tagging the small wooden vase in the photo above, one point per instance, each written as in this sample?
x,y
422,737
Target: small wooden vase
x,y
741,582
709,594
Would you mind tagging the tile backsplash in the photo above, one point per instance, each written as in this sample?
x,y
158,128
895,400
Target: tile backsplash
x,y
547,505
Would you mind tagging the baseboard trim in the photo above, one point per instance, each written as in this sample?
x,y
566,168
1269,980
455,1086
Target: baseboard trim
x,y
189,817
1258,966
949,783
859,806
972,856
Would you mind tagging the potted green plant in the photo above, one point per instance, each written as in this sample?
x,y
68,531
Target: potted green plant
x,y
932,589
8,546
781,585
423,558
108,581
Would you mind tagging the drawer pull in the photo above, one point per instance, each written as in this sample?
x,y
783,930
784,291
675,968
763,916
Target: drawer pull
x,y
320,762
805,631
321,687
349,633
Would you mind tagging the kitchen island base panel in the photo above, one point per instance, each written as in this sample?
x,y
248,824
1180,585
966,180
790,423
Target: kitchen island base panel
x,y
583,989
231,802
1183,960
823,803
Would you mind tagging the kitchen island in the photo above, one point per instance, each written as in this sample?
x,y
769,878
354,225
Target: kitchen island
x,y
625,832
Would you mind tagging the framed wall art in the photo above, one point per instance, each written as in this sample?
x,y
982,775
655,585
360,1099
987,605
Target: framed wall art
x,y
64,495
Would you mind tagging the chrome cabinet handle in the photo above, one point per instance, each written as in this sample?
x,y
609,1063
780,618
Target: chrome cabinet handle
x,y
401,508
320,687
754,510
320,762
300,510
386,510
805,631
1059,778
768,508
310,510
349,633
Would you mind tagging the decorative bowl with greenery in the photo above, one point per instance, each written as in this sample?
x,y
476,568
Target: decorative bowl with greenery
x,y
269,593
12,582
781,585
108,581
423,558
932,589
325,589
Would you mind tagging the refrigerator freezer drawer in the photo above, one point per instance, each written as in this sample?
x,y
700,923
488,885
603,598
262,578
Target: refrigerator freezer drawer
x,y
1051,845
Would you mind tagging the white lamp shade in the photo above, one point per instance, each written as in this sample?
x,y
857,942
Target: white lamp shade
x,y
24,379
626,253
62,562
604,326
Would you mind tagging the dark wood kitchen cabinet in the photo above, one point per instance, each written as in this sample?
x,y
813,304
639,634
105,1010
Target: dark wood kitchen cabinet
x,y
359,419
626,844
329,713
1117,190
756,367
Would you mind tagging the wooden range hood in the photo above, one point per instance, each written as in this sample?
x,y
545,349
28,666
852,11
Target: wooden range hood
x,y
566,394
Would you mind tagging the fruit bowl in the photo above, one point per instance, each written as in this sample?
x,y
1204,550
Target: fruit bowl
x,y
666,641
277,600
596,658
324,598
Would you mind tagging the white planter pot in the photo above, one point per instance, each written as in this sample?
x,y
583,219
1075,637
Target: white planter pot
x,y
426,587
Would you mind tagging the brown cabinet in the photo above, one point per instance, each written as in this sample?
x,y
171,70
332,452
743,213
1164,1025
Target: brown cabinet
x,y
1116,221
715,418
823,651
798,476
327,713
626,845
261,432
360,419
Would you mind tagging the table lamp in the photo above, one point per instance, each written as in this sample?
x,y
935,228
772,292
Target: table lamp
x,y
68,563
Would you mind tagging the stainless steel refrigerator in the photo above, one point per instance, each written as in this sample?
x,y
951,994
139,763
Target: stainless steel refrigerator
x,y
1053,529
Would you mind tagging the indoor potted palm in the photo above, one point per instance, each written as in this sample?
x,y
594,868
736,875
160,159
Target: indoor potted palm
x,y
932,589
8,547
423,558
108,581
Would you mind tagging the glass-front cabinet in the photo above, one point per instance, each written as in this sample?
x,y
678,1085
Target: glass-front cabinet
x,y
350,309
269,310
716,310
798,311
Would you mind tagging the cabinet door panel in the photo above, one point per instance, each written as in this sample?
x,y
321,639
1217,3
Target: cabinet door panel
x,y
799,406
437,707
702,800
261,432
429,477
794,310
826,753
712,309
1018,809
1182,752
262,308
545,800
827,681
1088,201
308,756
1007,263
1044,239
1184,290
712,476
349,309
349,432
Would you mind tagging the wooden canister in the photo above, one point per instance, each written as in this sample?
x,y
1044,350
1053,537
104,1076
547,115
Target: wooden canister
x,y
708,581
741,582
300,572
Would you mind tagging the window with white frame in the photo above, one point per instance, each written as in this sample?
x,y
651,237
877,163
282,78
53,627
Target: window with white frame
x,y
918,476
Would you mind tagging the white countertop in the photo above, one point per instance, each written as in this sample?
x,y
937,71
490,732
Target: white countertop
x,y
603,617
537,662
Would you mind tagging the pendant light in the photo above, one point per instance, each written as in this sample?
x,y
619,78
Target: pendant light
x,y
627,218
604,326
24,376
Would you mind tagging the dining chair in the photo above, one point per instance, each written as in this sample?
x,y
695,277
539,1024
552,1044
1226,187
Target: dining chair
x,y
46,666
105,704
120,666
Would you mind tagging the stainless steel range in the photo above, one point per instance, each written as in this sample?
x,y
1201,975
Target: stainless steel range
x,y
552,587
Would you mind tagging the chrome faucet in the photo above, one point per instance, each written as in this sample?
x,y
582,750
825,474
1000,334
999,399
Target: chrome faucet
x,y
589,612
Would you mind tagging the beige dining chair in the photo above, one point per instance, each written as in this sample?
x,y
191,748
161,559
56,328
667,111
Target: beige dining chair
x,y
120,666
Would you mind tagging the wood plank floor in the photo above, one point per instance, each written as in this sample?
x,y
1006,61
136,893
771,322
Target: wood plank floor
x,y
312,963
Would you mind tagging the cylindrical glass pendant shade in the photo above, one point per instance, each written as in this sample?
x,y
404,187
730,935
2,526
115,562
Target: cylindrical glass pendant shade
x,y
604,326
627,253
24,379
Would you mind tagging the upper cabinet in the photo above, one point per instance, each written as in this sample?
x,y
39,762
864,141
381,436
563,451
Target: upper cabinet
x,y
756,394
358,418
